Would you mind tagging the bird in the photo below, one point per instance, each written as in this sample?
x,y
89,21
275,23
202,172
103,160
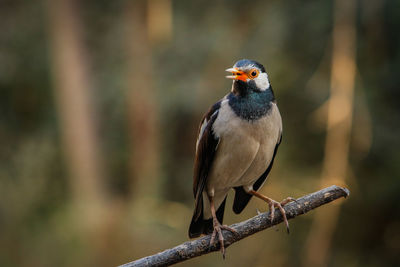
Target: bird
x,y
237,142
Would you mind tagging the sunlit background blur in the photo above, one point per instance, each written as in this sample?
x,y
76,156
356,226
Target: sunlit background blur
x,y
100,103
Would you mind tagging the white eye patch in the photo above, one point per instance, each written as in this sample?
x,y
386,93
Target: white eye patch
x,y
262,81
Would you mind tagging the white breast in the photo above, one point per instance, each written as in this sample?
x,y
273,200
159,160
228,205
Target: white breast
x,y
245,149
244,152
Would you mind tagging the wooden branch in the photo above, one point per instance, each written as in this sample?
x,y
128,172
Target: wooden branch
x,y
201,246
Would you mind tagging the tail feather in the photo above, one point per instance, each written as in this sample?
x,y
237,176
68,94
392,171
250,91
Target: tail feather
x,y
241,199
201,226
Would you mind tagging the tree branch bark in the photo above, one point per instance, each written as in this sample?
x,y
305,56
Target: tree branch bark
x,y
198,247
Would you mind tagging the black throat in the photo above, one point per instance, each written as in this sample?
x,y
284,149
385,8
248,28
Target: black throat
x,y
248,102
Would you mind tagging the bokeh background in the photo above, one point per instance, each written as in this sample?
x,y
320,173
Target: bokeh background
x,y
100,103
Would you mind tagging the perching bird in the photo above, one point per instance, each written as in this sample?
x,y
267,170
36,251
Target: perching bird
x,y
236,146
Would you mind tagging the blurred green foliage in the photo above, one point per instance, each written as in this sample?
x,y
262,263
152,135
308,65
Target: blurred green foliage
x,y
39,223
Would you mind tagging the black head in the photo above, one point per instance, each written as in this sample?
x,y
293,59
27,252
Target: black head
x,y
247,63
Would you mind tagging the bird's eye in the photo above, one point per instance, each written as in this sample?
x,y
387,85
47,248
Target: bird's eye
x,y
253,73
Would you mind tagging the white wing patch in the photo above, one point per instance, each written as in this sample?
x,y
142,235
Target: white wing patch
x,y
202,129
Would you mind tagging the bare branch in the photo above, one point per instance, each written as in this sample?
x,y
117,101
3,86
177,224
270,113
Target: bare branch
x,y
253,225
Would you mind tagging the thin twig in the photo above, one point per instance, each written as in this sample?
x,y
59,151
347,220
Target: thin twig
x,y
198,247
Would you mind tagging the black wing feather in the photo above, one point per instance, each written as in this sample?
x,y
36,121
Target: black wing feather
x,y
205,153
241,197
201,226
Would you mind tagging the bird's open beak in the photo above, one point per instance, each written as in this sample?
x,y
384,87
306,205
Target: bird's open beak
x,y
237,74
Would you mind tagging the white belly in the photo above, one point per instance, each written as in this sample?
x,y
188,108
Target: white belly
x,y
245,149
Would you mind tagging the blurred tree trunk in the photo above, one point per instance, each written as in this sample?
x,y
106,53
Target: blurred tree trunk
x,y
72,89
142,104
339,124
159,20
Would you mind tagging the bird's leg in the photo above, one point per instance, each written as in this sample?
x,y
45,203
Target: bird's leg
x,y
272,204
218,228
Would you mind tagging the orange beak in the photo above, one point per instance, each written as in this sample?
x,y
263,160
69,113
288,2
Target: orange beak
x,y
237,74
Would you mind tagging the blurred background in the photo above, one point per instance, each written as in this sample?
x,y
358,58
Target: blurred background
x,y
100,103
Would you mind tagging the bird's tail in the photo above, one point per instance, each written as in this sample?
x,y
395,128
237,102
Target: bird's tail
x,y
199,225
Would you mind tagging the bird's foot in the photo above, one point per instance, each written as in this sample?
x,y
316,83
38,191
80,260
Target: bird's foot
x,y
275,204
218,230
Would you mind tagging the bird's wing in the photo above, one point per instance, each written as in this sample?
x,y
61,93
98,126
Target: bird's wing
x,y
206,146
241,197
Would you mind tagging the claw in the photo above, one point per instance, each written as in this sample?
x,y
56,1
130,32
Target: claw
x,y
272,210
288,200
212,237
272,204
218,230
233,231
